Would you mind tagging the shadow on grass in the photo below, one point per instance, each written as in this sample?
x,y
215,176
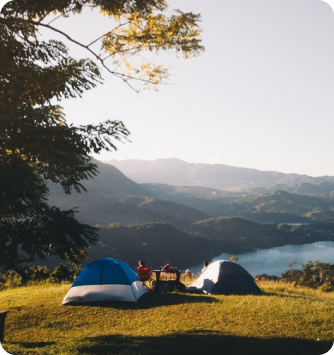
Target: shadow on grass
x,y
190,343
198,342
154,299
33,345
201,342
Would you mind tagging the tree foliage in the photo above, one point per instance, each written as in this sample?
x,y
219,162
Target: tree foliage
x,y
315,274
37,145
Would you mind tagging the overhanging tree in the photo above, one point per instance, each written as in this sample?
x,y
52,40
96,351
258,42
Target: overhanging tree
x,y
36,143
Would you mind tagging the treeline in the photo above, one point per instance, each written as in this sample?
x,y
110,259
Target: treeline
x,y
316,275
21,276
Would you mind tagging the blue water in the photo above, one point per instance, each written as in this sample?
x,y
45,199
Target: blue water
x,y
274,261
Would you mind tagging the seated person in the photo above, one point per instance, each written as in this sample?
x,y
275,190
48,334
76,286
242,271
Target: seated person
x,y
144,272
205,266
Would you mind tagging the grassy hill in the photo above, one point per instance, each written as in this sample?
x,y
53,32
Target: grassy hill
x,y
285,320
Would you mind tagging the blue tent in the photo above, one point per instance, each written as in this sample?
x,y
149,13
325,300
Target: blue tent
x,y
105,279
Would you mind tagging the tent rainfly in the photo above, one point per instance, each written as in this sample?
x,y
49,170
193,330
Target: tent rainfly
x,y
105,279
225,277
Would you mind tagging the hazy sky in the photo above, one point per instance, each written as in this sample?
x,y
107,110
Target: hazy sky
x,y
261,95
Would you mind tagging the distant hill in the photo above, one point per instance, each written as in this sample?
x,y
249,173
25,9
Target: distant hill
x,y
110,182
113,198
281,207
273,207
208,200
318,188
174,171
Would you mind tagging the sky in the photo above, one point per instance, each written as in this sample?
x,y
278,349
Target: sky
x,y
261,95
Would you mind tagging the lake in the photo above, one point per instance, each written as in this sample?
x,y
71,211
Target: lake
x,y
274,261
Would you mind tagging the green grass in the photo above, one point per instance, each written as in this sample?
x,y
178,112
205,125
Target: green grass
x,y
285,320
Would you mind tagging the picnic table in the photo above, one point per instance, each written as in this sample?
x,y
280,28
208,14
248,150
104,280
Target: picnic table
x,y
169,284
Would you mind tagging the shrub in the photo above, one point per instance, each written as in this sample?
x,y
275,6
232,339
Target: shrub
x,y
326,287
62,273
11,279
39,273
291,275
317,274
267,277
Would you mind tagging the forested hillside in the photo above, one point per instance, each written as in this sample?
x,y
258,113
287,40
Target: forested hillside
x,y
186,224
159,243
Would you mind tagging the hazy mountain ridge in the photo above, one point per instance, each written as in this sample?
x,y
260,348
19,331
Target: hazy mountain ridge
x,y
273,207
110,182
286,206
174,171
114,198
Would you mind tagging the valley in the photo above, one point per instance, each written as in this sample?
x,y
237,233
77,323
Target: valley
x,y
185,224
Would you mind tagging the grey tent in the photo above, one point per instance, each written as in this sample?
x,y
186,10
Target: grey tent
x,y
225,277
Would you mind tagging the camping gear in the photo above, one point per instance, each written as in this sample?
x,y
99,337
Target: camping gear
x,y
225,277
169,268
105,279
168,285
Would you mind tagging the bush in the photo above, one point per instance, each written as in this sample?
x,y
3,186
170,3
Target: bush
x,y
36,274
317,274
292,275
326,287
267,277
11,279
62,273
39,273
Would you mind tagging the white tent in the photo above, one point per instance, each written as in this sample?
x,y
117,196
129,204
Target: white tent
x,y
106,279
225,277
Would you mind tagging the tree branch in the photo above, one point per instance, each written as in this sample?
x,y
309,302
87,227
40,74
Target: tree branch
x,y
124,77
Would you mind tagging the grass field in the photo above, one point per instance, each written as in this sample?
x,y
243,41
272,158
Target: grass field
x,y
285,320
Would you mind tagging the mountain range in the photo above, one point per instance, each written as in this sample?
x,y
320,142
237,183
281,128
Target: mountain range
x,y
174,171
218,209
